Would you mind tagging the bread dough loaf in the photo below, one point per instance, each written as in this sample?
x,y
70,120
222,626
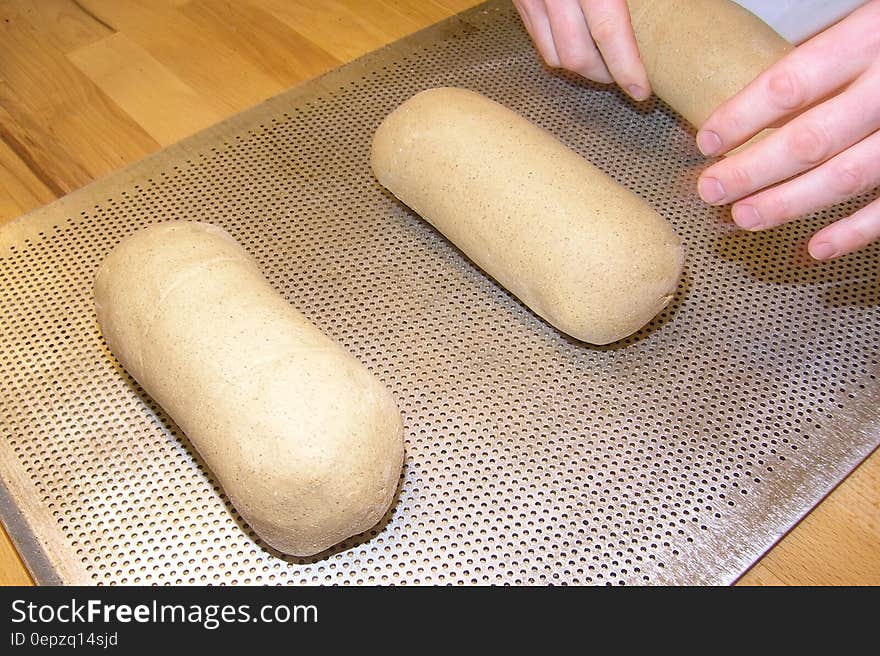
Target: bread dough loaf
x,y
700,53
306,443
579,249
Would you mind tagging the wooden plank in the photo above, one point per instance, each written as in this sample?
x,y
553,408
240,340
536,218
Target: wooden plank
x,y
417,14
223,77
456,6
20,189
155,98
761,574
12,570
279,51
63,22
366,25
331,25
55,119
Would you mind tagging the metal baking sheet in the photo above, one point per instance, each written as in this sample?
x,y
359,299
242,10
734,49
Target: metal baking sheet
x,y
676,456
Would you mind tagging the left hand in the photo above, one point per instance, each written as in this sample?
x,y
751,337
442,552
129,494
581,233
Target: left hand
x,y
825,95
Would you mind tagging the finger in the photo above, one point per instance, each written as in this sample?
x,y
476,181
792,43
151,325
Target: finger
x,y
611,28
521,8
534,17
778,123
852,172
803,76
575,46
847,235
802,144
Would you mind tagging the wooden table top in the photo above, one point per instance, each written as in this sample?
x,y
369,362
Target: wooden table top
x,y
87,86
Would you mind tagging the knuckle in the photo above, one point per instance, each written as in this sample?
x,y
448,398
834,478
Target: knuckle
x,y
574,61
848,179
862,236
786,90
584,63
858,235
810,144
604,29
871,17
729,122
775,207
739,178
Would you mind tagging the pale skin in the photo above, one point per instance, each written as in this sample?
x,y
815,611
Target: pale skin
x,y
824,98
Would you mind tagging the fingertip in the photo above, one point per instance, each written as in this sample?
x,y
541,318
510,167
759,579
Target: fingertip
x,y
711,190
823,250
847,235
708,142
747,217
638,92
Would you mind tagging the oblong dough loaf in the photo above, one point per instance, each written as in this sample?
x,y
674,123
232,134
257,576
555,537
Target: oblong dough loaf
x,y
306,443
700,53
579,249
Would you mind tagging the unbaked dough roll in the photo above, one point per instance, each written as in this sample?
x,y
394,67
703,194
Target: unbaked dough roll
x,y
579,249
699,53
304,440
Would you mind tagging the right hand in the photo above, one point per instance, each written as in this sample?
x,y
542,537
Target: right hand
x,y
593,38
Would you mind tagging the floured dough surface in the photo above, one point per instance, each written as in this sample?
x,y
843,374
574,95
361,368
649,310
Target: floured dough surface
x,y
306,443
579,249
700,53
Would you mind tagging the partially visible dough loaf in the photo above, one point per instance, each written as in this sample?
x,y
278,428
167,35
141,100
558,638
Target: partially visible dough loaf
x,y
579,249
304,440
699,53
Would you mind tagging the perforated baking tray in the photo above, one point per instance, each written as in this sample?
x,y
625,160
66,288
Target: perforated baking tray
x,y
676,456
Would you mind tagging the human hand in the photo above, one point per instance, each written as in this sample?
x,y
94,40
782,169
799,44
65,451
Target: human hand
x,y
825,95
592,37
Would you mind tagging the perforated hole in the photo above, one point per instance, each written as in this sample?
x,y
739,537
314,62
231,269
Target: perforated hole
x,y
677,455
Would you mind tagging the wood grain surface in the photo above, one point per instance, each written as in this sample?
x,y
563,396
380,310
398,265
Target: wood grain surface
x,y
87,86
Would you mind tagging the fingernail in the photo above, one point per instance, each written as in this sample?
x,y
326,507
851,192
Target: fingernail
x,y
823,250
637,92
708,142
711,190
747,217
